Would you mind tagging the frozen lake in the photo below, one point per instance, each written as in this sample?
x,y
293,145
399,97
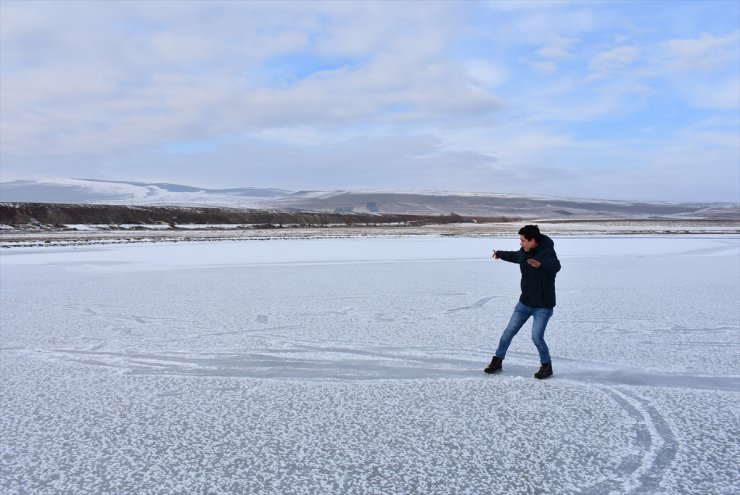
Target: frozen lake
x,y
355,366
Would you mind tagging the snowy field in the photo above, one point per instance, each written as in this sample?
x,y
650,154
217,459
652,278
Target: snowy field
x,y
333,366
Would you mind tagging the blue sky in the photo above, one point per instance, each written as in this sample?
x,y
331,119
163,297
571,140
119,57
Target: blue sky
x,y
616,100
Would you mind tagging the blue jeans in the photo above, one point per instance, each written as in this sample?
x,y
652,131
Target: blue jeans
x,y
521,314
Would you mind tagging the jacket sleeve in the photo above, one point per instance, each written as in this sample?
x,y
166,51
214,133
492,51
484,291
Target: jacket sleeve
x,y
550,263
510,256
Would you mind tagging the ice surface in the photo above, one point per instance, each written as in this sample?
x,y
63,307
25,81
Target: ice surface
x,y
355,366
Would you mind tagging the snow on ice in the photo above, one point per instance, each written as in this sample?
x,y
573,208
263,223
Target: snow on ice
x,y
355,366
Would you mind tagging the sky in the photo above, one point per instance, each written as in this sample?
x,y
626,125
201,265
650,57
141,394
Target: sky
x,y
611,100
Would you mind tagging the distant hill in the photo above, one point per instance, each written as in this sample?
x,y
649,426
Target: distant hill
x,y
86,191
81,191
493,205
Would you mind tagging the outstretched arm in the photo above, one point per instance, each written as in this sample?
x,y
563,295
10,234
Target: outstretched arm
x,y
510,256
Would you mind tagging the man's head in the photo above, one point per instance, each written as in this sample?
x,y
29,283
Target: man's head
x,y
529,237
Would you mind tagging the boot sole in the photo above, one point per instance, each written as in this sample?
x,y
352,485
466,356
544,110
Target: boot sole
x,y
487,372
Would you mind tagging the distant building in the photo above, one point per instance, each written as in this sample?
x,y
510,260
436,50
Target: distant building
x,y
372,206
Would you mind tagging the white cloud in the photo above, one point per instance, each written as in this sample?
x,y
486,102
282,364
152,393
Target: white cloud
x,y
704,70
486,72
558,48
722,94
544,66
613,62
156,88
705,53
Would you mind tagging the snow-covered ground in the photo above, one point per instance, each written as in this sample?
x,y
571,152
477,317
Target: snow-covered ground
x,y
355,366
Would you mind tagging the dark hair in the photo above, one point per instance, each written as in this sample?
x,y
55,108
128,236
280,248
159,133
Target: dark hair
x,y
531,232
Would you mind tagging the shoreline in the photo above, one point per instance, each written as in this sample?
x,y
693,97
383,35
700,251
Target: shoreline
x,y
84,235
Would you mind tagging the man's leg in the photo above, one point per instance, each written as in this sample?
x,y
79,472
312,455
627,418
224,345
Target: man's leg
x,y
541,317
518,318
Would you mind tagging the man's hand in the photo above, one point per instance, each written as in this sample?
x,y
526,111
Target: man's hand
x,y
494,256
534,263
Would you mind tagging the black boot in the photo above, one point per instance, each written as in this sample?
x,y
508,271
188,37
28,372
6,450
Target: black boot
x,y
495,365
545,371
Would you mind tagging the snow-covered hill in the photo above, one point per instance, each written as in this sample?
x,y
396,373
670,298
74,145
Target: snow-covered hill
x,y
86,191
124,192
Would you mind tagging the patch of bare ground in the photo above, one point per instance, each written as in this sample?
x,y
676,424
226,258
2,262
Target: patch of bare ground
x,y
37,236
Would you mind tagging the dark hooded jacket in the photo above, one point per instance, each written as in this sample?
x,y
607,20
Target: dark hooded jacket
x,y
538,284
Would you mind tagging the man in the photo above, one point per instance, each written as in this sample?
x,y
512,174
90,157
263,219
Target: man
x,y
539,264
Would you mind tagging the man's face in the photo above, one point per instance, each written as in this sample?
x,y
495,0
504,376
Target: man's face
x,y
526,244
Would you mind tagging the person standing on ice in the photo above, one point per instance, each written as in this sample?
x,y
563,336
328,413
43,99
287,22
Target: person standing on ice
x,y
539,264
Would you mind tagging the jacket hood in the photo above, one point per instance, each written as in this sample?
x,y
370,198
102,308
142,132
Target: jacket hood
x,y
546,243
